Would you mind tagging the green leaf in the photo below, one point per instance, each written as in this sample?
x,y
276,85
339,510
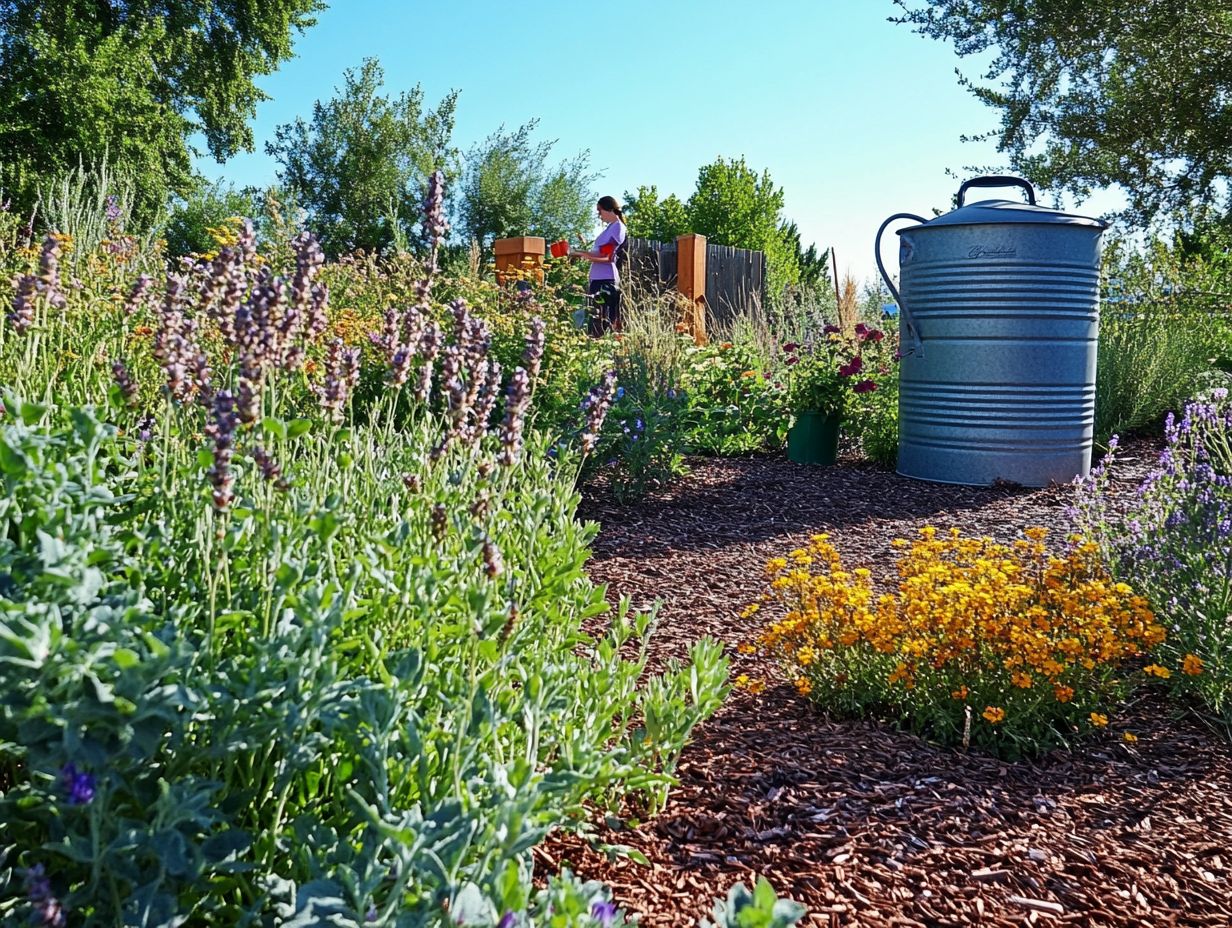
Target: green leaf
x,y
275,427
298,427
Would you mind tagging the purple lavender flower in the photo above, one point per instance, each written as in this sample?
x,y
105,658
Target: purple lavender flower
x,y
493,565
532,357
435,226
113,209
595,406
221,430
49,274
508,920
341,378
128,389
137,296
78,786
604,913
517,400
271,471
48,912
21,316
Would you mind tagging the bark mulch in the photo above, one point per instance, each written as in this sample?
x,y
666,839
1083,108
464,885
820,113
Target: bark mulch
x,y
867,825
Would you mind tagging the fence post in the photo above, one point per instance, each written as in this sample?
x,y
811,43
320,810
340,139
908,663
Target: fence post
x,y
691,282
522,255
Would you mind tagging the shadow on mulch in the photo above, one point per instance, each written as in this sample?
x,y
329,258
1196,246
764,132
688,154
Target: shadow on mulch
x,y
867,825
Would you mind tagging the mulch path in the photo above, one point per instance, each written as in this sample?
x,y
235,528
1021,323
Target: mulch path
x,y
866,825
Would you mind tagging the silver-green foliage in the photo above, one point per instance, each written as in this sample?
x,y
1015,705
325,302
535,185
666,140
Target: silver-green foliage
x,y
359,691
761,908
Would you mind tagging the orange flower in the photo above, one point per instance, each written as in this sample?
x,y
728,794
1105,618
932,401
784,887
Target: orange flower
x,y
960,693
1129,737
1063,693
1192,665
1098,719
1156,671
994,714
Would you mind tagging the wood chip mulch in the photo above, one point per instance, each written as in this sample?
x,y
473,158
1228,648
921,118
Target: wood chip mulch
x,y
867,825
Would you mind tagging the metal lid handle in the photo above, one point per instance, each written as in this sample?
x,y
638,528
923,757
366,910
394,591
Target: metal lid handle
x,y
997,180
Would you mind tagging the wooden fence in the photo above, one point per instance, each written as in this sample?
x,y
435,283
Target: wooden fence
x,y
735,277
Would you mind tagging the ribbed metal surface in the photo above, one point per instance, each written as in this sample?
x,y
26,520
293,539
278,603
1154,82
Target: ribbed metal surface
x,y
1004,386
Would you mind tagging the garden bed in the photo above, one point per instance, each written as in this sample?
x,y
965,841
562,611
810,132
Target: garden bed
x,y
864,824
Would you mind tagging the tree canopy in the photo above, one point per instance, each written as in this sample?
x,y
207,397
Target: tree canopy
x,y
730,205
509,188
132,80
361,166
1128,93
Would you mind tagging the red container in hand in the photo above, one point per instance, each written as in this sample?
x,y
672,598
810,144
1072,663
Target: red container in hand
x,y
559,249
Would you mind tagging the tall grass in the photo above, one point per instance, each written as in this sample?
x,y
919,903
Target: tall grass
x,y
1160,335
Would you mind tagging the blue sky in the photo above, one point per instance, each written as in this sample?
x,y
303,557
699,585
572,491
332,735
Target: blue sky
x,y
855,118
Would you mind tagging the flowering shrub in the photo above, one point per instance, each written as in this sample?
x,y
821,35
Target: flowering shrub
x,y
1173,540
263,660
873,406
733,406
1003,646
825,375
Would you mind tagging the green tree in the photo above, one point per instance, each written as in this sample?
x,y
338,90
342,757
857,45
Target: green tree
x,y
655,219
509,189
207,206
361,166
1103,92
732,205
133,78
814,265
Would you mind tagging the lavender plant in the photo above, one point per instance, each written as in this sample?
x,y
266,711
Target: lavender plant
x,y
336,667
1172,539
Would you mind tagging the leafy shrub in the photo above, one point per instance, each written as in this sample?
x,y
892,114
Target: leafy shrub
x,y
1002,646
733,406
262,660
1173,540
208,207
1158,336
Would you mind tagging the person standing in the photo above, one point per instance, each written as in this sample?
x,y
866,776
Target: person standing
x,y
604,258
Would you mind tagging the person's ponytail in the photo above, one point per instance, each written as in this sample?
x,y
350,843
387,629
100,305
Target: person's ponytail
x,y
612,205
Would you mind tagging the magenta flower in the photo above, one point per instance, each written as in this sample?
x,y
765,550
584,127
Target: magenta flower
x,y
865,386
852,367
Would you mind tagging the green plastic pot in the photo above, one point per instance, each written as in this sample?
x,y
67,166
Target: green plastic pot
x,y
813,439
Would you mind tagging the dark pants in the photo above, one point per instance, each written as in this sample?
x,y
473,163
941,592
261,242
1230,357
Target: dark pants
x,y
603,314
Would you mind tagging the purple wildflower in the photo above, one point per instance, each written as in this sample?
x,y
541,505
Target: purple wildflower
x,y
221,430
78,786
271,471
21,316
595,406
532,357
517,400
341,378
493,565
604,913
48,912
124,381
138,294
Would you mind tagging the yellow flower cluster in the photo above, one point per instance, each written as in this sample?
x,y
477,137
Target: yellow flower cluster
x,y
970,618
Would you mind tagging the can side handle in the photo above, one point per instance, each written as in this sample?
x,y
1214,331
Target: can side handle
x,y
917,345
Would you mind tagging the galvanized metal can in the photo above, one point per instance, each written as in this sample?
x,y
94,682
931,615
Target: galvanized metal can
x,y
999,326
